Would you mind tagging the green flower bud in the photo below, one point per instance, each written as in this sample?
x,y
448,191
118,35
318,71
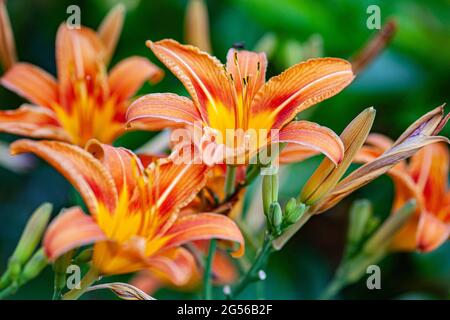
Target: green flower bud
x,y
275,217
269,191
293,215
360,214
30,238
35,265
291,205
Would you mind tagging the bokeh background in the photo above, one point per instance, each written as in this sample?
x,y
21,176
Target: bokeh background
x,y
408,79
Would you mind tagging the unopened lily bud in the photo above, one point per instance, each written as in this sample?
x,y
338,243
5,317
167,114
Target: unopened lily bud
x,y
275,217
291,205
293,215
270,191
34,267
360,214
30,238
197,25
359,218
327,175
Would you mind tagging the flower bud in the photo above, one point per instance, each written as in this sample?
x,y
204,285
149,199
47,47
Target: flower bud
x,y
34,266
275,218
327,175
197,25
269,191
291,205
293,214
30,238
360,214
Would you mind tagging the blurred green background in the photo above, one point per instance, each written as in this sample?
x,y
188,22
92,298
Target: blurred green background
x,y
408,79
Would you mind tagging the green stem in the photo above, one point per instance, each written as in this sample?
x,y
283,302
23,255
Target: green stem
x,y
351,271
60,269
332,289
252,274
260,290
11,289
230,180
229,189
207,289
91,276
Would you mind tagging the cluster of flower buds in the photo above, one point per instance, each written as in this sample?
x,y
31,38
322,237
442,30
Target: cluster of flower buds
x,y
27,261
277,219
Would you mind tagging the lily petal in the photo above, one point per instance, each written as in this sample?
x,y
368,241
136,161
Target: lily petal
x,y
203,76
161,110
174,186
313,136
129,75
32,121
8,54
431,232
293,153
79,54
110,29
298,88
111,257
429,168
175,265
71,229
85,172
32,83
204,226
122,164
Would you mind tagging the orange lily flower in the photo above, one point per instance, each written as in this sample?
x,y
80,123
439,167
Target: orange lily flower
x,y
85,102
237,98
424,178
134,212
211,198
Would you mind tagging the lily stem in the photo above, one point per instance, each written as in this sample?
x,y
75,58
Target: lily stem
x,y
252,274
230,180
11,289
91,276
207,289
207,276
